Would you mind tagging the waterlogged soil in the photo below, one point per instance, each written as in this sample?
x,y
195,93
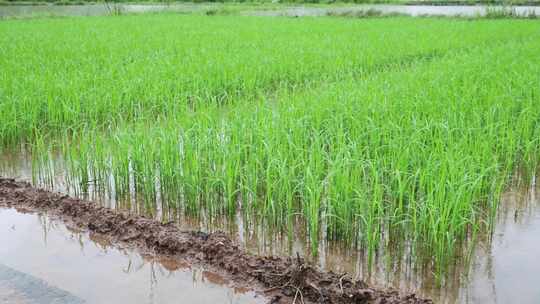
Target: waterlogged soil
x,y
278,279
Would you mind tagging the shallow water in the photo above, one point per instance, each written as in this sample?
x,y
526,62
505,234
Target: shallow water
x,y
43,261
95,9
409,10
502,269
297,11
507,271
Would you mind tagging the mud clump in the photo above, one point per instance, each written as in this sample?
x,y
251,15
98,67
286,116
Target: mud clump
x,y
280,279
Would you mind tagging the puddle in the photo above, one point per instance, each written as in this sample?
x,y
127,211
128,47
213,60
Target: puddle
x,y
501,270
43,261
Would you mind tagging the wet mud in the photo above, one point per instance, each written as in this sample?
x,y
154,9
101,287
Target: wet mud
x,y
279,279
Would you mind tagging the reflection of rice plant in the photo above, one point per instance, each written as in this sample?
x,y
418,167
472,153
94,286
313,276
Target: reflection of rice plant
x,y
530,14
218,11
499,12
113,8
363,13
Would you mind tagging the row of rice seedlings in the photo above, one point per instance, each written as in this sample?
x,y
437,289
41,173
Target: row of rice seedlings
x,y
426,151
71,74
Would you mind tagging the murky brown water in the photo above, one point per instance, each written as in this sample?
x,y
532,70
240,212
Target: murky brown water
x,y
50,263
500,270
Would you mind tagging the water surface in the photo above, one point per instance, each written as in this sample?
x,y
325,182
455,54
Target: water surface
x,y
43,261
95,9
290,11
408,10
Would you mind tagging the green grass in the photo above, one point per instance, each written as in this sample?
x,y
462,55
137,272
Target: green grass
x,y
396,128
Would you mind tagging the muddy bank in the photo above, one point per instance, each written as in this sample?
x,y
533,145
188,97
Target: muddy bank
x,y
282,280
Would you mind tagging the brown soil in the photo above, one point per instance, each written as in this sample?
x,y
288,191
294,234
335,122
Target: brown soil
x,y
280,279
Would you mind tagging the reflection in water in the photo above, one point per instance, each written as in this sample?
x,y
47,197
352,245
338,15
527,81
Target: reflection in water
x,y
87,267
505,270
96,9
409,10
298,11
493,271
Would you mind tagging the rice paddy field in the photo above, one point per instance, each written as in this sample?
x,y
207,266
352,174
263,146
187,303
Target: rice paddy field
x,y
378,133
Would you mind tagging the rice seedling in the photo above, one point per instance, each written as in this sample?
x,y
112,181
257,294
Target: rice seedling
x,y
365,128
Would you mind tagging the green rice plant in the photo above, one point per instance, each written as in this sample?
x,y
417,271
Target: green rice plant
x,y
381,132
77,74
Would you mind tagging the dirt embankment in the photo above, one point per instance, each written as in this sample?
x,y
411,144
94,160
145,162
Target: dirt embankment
x,y
281,279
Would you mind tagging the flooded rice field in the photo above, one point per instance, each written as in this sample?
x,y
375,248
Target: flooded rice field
x,y
388,162
289,11
285,279
501,268
407,10
44,261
